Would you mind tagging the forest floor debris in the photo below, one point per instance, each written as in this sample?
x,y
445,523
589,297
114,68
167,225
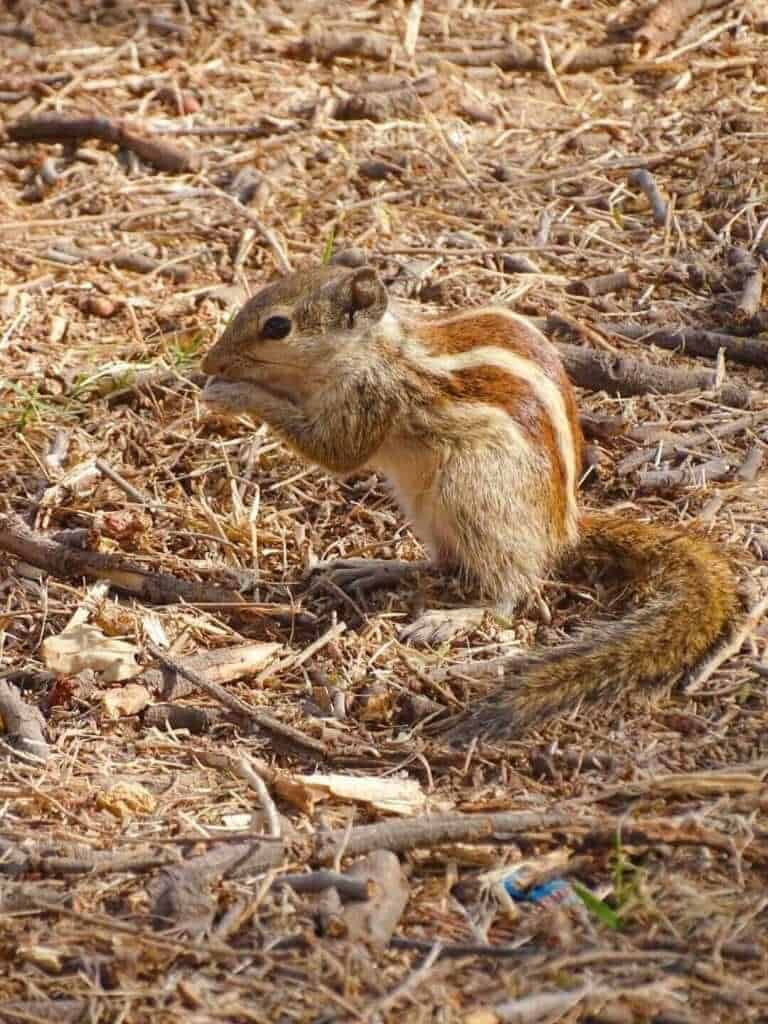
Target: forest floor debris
x,y
228,852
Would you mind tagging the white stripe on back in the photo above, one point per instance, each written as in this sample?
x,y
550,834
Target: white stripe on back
x,y
545,389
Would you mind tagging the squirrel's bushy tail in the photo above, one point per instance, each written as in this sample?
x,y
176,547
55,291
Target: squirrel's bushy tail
x,y
691,597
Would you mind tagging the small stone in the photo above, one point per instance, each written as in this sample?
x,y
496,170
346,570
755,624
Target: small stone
x,y
378,170
351,257
518,265
98,305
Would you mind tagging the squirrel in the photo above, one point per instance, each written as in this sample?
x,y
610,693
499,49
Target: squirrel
x,y
473,420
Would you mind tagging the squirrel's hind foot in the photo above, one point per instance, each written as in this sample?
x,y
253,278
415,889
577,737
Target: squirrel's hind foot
x,y
440,626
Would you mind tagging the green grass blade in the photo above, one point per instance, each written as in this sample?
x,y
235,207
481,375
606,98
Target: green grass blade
x,y
595,906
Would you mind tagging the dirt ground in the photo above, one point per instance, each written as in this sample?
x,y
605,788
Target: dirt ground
x,y
159,162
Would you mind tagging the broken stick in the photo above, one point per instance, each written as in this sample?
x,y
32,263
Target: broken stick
x,y
224,665
623,375
59,127
687,476
327,46
155,587
696,342
644,180
262,853
664,447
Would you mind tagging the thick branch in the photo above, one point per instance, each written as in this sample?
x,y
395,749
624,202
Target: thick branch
x,y
696,342
623,375
68,128
155,587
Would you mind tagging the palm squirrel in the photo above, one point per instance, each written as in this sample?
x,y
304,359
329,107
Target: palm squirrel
x,y
474,422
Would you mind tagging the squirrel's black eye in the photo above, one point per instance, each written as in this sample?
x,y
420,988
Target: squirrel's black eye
x,y
276,327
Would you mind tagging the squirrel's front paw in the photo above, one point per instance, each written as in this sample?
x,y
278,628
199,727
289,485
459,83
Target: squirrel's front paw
x,y
358,576
225,396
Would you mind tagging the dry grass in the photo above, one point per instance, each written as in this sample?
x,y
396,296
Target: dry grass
x,y
446,188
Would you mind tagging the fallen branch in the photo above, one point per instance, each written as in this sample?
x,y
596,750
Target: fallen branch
x,y
349,887
512,57
125,486
593,57
72,128
696,342
601,428
686,476
450,950
247,772
677,444
266,126
623,375
378,107
605,284
124,259
177,717
400,836
260,854
155,587
327,46
65,859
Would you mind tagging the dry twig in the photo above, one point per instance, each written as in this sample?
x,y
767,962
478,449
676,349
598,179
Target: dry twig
x,y
71,128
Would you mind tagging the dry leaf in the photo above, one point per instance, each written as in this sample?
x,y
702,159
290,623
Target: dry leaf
x,y
125,700
394,796
125,799
378,706
47,959
84,646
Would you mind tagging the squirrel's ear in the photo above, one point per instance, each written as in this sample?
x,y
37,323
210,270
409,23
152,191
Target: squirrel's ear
x,y
365,294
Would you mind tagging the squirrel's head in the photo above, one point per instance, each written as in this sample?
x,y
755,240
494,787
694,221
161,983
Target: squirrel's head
x,y
302,322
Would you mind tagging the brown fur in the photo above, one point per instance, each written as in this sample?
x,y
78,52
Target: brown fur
x,y
693,598
346,389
